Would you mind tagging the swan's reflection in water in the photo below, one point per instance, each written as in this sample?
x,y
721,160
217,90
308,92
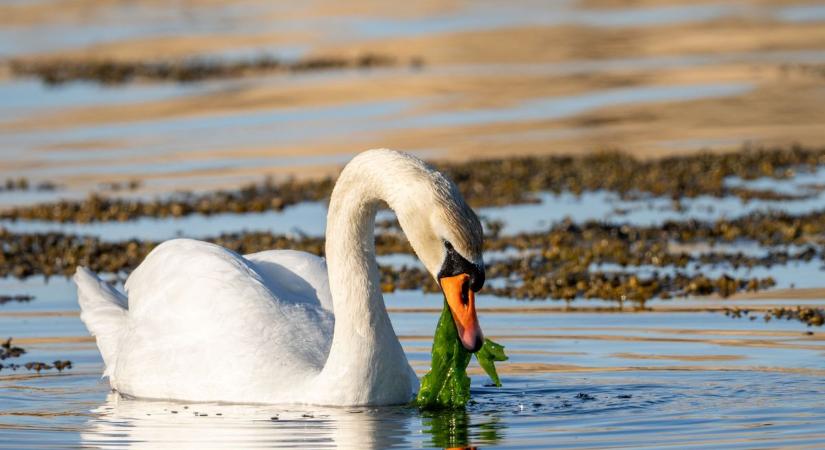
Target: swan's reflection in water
x,y
122,422
454,429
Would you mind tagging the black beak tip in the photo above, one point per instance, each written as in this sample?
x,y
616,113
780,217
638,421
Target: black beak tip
x,y
479,342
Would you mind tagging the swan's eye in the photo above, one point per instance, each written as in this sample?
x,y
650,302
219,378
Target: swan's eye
x,y
455,264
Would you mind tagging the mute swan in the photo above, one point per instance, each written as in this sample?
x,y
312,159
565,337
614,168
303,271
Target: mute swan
x,y
202,323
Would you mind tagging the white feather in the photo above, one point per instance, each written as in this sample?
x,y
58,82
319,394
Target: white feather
x,y
103,310
206,324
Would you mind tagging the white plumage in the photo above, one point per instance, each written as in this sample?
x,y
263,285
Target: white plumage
x,y
203,323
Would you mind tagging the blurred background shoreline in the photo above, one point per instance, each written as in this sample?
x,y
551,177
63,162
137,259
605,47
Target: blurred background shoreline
x,y
490,80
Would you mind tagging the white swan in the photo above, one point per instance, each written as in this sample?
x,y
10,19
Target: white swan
x,y
202,323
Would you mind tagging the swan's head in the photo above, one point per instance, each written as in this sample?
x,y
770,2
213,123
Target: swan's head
x,y
447,236
460,280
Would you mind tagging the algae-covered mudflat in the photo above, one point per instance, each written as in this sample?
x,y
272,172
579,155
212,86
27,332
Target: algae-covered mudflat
x,y
650,177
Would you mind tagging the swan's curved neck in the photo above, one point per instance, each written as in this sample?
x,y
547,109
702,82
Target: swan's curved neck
x,y
365,353
354,278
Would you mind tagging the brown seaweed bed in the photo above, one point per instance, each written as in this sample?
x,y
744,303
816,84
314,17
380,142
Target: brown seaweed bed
x,y
552,264
54,72
22,298
492,182
808,315
23,184
9,351
557,263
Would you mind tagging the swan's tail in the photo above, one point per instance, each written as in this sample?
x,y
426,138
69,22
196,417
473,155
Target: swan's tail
x,y
103,309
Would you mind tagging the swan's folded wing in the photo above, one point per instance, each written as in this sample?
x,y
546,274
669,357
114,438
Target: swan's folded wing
x,y
294,276
204,325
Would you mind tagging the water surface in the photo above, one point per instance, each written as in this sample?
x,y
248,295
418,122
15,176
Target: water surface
x,y
497,79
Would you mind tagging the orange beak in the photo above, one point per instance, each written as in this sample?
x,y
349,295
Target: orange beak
x,y
462,302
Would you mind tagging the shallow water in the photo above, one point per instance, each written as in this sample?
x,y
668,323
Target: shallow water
x,y
573,380
677,374
581,374
498,78
616,411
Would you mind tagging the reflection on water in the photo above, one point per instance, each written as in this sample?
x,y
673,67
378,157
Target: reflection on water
x,y
147,424
121,422
451,429
635,409
573,380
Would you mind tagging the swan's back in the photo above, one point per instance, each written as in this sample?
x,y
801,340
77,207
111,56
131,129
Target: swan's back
x,y
206,323
294,275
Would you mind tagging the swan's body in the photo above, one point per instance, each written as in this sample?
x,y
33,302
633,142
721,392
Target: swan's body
x,y
202,323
